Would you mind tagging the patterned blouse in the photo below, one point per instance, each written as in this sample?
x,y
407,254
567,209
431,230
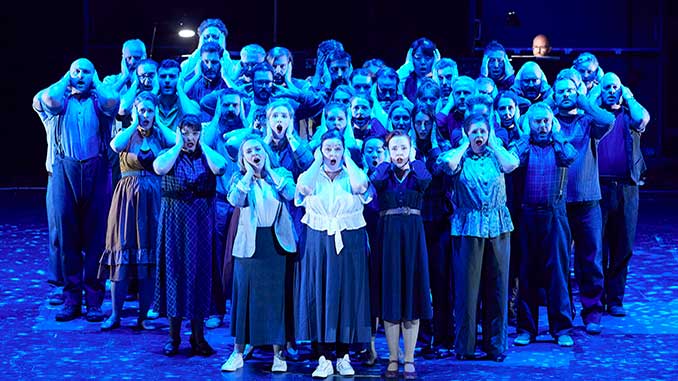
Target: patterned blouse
x,y
480,197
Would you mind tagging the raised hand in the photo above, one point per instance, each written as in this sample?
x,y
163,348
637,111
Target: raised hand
x,y
155,89
508,68
179,138
484,71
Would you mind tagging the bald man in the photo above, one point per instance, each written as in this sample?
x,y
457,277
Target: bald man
x,y
77,112
541,47
621,166
530,85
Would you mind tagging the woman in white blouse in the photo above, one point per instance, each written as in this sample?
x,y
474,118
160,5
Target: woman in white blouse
x,y
334,291
265,234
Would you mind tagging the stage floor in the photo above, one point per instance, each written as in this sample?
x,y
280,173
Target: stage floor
x,y
641,346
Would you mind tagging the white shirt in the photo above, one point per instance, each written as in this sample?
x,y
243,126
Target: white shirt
x,y
332,207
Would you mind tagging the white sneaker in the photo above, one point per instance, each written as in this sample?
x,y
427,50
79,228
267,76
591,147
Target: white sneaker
x,y
233,363
279,364
324,368
152,314
344,366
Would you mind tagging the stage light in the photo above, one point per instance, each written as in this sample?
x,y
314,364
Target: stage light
x,y
185,32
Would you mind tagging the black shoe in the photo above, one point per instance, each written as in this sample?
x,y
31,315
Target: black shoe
x,y
200,348
462,357
69,312
94,314
428,352
497,358
171,348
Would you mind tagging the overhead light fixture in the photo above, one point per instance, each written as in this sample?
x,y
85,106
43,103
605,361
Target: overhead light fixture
x,y
185,32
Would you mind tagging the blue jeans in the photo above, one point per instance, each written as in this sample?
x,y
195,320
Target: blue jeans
x,y
81,197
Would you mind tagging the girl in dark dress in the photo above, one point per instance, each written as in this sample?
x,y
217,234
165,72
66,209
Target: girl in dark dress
x,y
400,187
132,219
264,235
185,233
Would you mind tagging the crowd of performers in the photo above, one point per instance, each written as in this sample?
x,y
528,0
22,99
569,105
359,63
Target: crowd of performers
x,y
417,199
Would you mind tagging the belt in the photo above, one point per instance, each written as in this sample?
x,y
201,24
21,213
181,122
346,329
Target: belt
x,y
137,173
402,210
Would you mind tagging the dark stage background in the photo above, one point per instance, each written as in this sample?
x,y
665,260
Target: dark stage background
x,y
633,38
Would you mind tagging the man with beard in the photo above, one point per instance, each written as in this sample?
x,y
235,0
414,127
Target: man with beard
x,y
583,123
591,73
445,72
497,67
281,60
363,124
385,93
210,30
621,166
531,85
207,76
418,66
306,103
545,234
133,51
226,118
361,82
250,56
506,108
77,112
173,101
339,66
451,117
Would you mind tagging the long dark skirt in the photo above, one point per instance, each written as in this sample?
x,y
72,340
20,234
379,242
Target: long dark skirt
x,y
334,290
405,279
258,309
186,241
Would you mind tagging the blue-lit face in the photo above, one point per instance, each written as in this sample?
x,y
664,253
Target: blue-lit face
x,y
374,152
461,92
565,94
611,90
399,148
422,62
401,119
530,83
541,122
495,64
423,125
81,72
168,78
506,109
362,85
132,54
211,66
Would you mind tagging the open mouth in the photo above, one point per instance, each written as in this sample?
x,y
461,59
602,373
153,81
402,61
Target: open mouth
x,y
279,128
333,162
256,160
145,123
478,142
400,160
374,163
